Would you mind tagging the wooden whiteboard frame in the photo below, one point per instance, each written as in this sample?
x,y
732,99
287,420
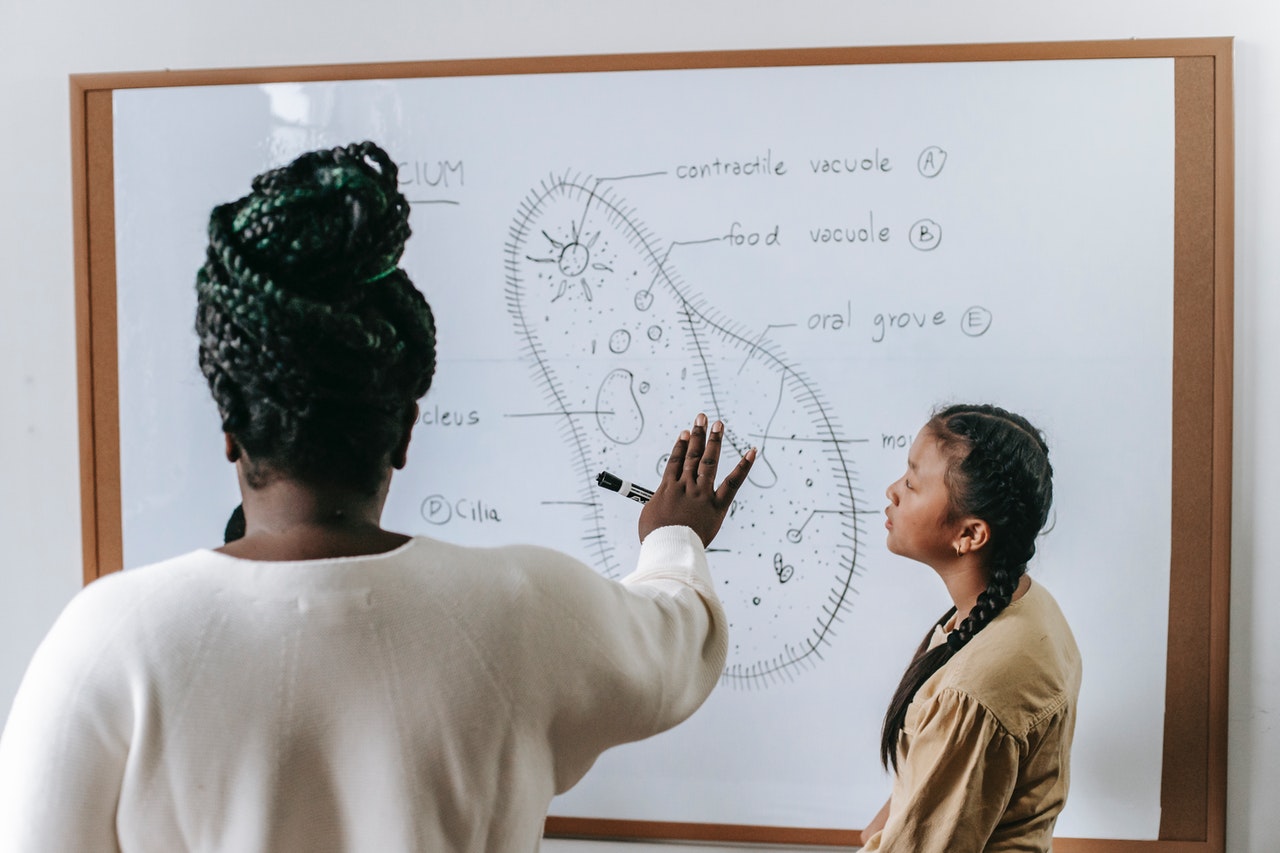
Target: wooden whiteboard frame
x,y
1194,777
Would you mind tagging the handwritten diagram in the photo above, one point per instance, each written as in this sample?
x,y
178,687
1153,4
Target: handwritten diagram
x,y
625,353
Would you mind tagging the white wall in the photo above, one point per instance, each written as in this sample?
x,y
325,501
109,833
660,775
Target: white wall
x,y
42,42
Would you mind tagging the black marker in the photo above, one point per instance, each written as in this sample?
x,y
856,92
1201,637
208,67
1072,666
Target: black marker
x,y
624,488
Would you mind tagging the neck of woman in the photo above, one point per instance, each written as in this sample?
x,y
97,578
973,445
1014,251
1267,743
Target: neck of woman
x,y
288,519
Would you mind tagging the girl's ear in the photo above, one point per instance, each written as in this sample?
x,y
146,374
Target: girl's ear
x,y
973,536
400,454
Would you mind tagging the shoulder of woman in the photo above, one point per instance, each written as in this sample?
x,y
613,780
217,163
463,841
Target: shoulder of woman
x,y
115,597
520,573
99,635
1017,669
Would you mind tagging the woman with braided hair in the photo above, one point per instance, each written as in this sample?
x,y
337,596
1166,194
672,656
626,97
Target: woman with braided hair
x,y
979,730
319,683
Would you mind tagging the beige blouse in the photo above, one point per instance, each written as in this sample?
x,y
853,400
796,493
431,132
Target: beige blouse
x,y
984,757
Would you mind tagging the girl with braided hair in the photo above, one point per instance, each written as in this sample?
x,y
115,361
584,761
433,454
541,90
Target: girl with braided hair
x,y
319,683
979,730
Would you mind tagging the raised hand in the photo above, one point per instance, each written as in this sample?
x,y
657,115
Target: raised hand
x,y
687,494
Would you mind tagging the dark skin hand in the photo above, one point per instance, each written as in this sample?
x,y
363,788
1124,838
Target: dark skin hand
x,y
687,494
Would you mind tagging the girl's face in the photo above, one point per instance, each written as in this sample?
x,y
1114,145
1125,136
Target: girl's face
x,y
919,505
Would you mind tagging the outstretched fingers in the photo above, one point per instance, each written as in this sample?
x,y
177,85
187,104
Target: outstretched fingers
x,y
696,458
687,494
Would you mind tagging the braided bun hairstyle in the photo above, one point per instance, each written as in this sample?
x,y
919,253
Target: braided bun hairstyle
x,y
315,344
997,470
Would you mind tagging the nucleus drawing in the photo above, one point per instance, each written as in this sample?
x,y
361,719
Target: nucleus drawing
x,y
625,353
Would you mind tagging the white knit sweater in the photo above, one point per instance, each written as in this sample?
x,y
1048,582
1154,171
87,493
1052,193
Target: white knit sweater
x,y
433,698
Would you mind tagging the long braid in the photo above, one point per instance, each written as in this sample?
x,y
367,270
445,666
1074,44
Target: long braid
x,y
315,344
998,471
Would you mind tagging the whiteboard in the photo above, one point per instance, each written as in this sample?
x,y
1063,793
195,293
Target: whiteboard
x,y
817,255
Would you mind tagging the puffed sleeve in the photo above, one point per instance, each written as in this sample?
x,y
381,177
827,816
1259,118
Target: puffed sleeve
x,y
957,767
629,659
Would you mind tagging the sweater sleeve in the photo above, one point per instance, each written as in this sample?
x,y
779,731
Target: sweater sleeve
x,y
956,773
637,657
64,747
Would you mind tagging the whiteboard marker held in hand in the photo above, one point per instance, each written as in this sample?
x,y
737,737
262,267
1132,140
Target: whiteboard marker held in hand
x,y
623,487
